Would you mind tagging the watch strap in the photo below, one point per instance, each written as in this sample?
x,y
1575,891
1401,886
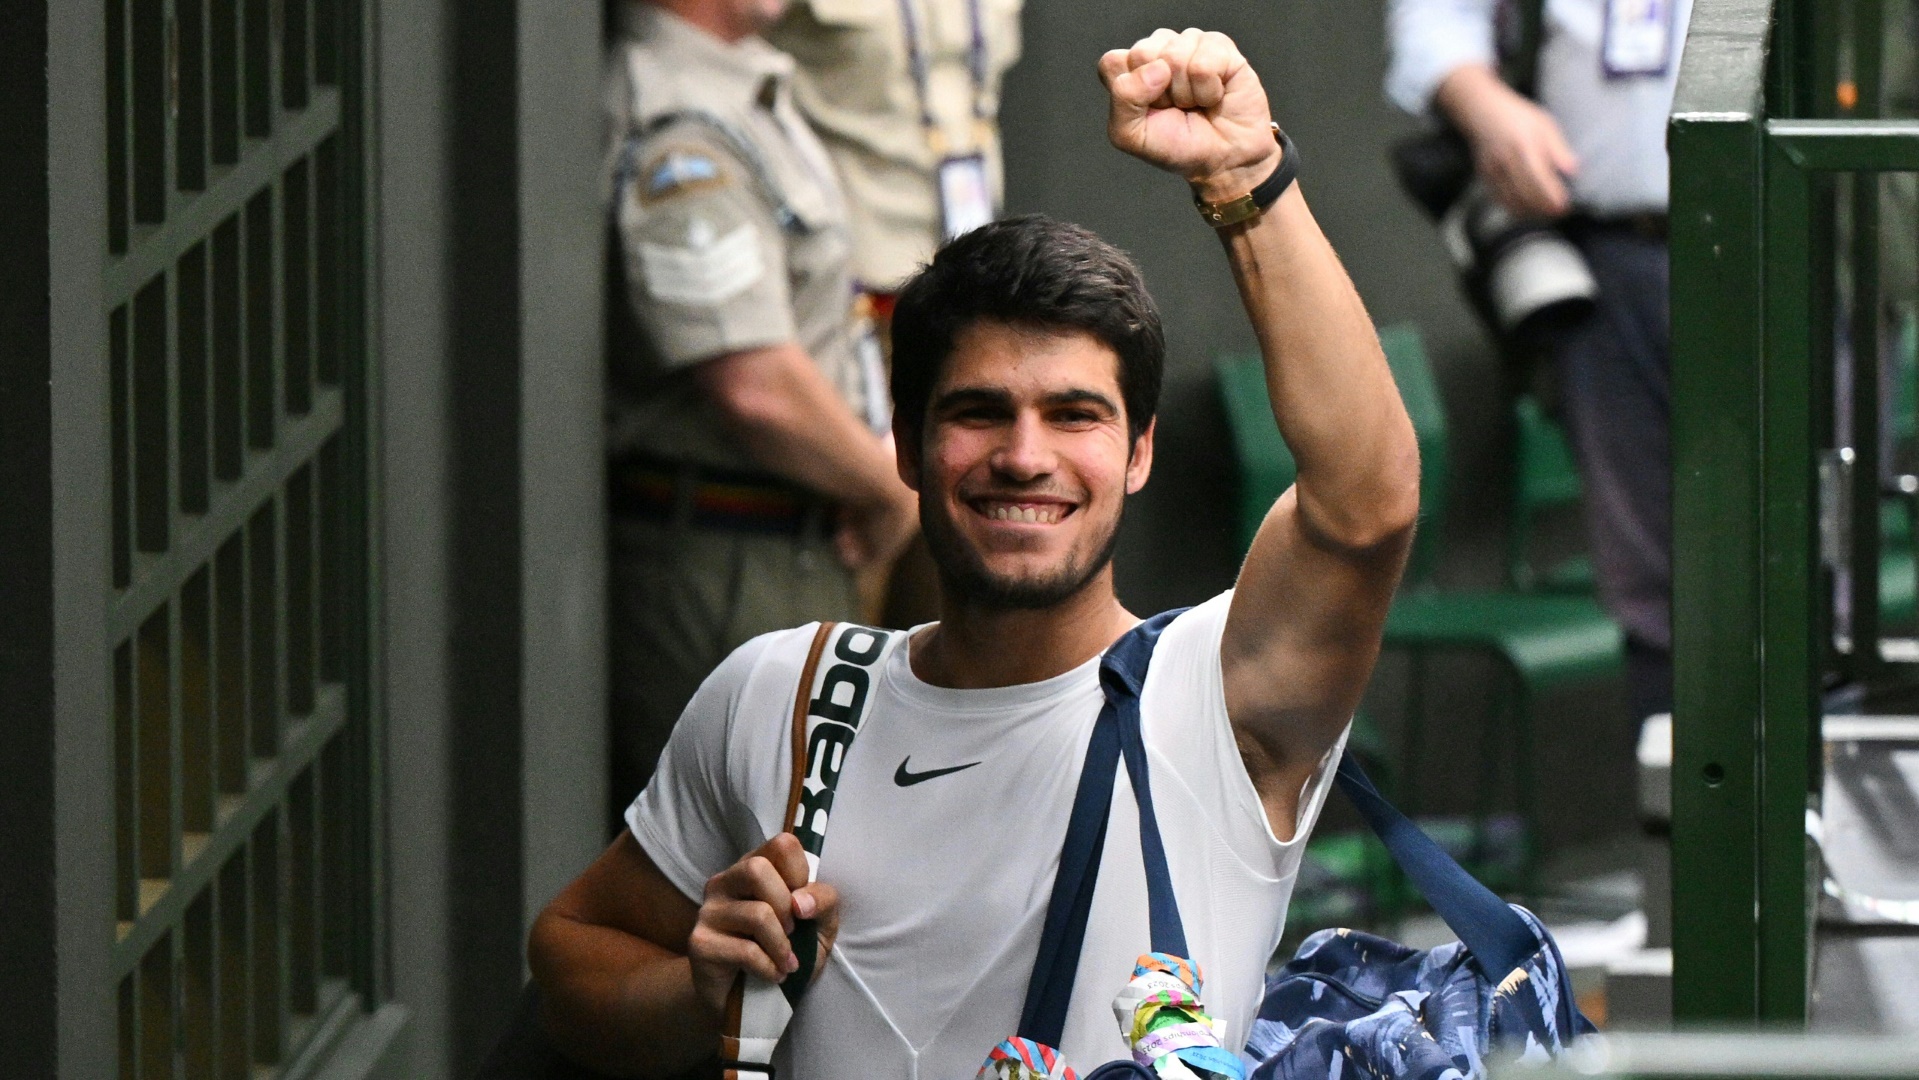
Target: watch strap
x,y
1250,205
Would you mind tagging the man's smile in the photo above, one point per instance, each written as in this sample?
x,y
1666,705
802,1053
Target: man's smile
x,y
1026,511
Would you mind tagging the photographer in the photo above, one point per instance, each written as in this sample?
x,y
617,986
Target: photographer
x,y
1585,152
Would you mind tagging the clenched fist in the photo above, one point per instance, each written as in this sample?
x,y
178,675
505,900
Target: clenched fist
x,y
1189,103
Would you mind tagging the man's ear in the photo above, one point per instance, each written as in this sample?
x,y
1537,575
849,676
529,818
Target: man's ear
x,y
1139,464
906,454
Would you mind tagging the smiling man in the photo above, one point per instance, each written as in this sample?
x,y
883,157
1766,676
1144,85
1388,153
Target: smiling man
x,y
1027,370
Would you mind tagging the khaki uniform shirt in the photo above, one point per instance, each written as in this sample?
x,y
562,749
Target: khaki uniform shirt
x,y
731,233
856,86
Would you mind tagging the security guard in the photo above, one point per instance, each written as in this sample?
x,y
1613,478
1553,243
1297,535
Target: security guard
x,y
748,476
905,94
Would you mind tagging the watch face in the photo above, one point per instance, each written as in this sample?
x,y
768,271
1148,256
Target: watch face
x,y
1230,212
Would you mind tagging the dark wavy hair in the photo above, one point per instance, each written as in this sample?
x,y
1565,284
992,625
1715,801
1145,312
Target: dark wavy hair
x,y
1034,272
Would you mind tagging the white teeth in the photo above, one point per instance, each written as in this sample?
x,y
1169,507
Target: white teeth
x,y
1034,515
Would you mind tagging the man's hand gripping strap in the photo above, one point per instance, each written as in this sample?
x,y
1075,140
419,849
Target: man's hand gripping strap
x,y
829,705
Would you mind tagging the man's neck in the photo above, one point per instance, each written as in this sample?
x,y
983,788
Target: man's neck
x,y
718,20
974,648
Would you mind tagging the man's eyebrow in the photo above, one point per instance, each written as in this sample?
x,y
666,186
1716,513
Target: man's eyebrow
x,y
962,396
1081,397
973,395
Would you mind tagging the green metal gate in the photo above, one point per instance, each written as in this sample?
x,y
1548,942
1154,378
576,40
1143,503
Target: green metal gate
x,y
237,590
1780,161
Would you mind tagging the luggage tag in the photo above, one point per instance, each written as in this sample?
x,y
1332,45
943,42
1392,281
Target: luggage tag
x,y
966,196
1638,38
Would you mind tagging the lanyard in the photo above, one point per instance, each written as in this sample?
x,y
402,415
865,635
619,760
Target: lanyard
x,y
917,64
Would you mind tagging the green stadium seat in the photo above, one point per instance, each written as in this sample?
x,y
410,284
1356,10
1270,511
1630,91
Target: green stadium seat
x,y
1544,480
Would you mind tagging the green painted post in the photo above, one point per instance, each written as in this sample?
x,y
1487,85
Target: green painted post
x,y
1792,580
1866,71
1718,338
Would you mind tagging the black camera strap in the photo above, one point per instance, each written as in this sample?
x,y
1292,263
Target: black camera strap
x,y
1521,42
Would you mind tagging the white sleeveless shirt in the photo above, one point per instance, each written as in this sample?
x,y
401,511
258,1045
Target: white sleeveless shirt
x,y
944,880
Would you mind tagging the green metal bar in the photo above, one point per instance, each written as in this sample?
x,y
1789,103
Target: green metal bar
x,y
1849,145
197,540
266,792
1789,586
1864,437
360,370
1862,70
1718,332
152,251
1869,56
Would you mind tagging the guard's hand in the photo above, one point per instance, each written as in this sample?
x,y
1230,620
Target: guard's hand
x,y
747,914
1189,103
1519,150
875,533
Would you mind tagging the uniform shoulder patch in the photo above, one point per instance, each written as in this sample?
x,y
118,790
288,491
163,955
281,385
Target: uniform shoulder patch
x,y
708,269
680,170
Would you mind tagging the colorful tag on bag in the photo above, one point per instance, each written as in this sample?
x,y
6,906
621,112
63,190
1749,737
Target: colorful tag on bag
x,y
1024,1059
1164,1021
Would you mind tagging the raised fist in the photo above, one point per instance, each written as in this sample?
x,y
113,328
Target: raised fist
x,y
1189,103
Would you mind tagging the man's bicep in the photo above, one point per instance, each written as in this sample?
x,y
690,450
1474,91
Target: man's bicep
x,y
1302,634
625,890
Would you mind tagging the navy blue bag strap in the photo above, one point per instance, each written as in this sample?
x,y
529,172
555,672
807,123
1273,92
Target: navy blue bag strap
x,y
1116,734
1122,675
1492,931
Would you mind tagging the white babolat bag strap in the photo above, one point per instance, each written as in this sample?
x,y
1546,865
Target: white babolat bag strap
x,y
829,704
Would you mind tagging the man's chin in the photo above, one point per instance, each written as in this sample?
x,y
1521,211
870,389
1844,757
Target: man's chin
x,y
1013,592
1025,585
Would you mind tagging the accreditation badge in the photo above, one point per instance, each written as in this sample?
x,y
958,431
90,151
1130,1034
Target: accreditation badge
x,y
966,199
1638,38
879,406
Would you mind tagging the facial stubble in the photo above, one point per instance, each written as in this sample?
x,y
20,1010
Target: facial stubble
x,y
966,580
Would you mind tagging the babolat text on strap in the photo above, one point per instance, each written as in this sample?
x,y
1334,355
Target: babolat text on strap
x,y
829,704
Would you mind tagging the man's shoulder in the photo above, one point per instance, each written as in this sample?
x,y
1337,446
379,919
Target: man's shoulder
x,y
765,664
1198,627
1185,673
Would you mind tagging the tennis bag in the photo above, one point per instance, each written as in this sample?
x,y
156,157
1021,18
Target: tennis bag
x,y
1350,1002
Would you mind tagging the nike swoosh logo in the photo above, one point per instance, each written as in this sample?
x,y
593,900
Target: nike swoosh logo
x,y
907,779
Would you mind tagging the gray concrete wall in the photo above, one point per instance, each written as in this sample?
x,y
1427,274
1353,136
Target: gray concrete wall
x,y
489,230
411,151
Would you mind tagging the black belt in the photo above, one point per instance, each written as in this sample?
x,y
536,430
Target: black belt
x,y
713,498
1652,225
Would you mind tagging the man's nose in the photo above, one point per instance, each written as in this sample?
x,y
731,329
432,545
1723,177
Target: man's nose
x,y
1026,453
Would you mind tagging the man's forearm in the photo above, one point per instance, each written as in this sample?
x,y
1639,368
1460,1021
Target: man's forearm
x,y
612,999
1332,394
1470,96
792,421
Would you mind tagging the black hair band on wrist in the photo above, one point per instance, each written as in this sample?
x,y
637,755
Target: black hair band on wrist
x,y
1253,203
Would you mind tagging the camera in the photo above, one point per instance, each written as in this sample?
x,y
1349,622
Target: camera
x,y
1526,280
